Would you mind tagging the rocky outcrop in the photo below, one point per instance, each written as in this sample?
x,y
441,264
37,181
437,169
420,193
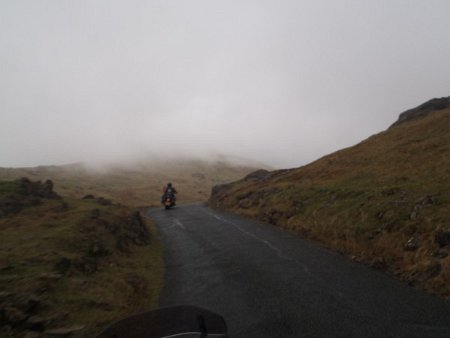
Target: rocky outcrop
x,y
257,175
217,193
424,109
37,189
25,193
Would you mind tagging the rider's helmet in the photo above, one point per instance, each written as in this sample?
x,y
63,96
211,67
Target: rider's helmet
x,y
169,185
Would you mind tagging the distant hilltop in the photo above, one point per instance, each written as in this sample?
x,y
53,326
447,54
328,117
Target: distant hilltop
x,y
141,183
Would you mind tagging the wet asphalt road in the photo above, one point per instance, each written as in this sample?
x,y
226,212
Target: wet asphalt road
x,y
268,283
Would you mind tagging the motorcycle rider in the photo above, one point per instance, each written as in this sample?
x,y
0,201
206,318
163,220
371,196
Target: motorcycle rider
x,y
169,190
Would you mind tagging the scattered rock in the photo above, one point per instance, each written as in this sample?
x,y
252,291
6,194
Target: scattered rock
x,y
428,200
412,244
442,237
89,197
422,203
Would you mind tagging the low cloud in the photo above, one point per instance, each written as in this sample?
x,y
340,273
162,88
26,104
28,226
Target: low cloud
x,y
281,83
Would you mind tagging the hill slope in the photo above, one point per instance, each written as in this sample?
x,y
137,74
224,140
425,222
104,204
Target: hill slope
x,y
71,265
137,185
384,201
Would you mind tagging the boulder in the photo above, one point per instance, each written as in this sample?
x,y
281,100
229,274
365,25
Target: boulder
x,y
37,188
442,237
412,244
26,193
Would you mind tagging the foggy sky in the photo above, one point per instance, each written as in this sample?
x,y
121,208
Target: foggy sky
x,y
283,82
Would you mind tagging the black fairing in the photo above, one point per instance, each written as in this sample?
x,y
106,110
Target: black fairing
x,y
189,320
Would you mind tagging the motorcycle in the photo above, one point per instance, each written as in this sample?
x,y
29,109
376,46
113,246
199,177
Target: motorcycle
x,y
168,200
178,321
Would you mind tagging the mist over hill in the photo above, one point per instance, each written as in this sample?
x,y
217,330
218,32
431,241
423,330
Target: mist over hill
x,y
280,82
384,201
140,183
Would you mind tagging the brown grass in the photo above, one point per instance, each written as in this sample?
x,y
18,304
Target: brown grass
x,y
136,186
366,201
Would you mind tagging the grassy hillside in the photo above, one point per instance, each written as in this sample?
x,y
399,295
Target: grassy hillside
x,y
71,265
385,201
137,185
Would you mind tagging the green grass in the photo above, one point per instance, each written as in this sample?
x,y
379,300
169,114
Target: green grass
x,y
34,240
8,188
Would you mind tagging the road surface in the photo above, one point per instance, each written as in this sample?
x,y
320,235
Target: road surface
x,y
268,283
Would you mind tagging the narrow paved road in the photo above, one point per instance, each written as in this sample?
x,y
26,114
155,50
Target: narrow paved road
x,y
269,283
